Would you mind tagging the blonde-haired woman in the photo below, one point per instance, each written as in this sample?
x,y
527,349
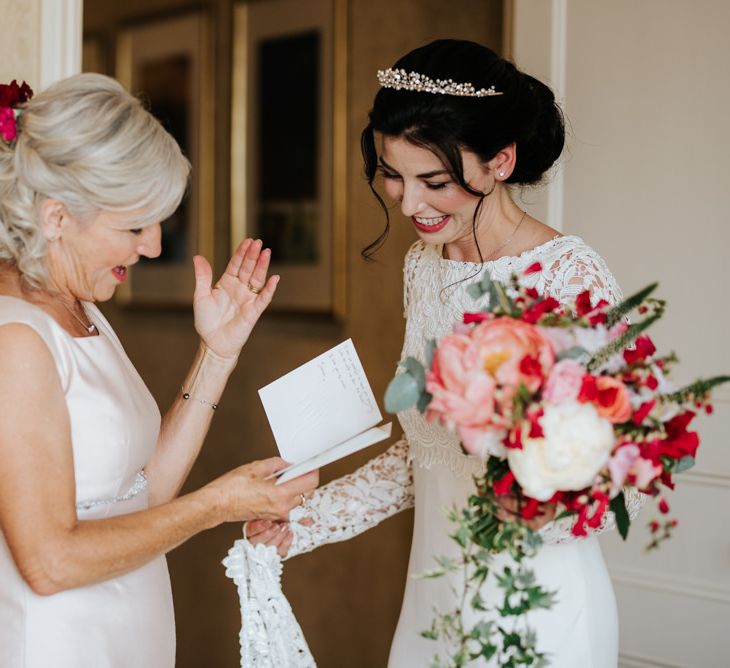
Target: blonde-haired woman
x,y
89,473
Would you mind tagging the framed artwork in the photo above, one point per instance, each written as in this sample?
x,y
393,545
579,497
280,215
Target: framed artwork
x,y
167,64
288,160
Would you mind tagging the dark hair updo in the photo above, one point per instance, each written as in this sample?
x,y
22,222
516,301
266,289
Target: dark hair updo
x,y
525,114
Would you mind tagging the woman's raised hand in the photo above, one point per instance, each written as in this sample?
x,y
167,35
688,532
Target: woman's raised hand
x,y
226,313
248,492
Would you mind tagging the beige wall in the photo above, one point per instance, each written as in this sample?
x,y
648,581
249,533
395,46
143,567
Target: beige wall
x,y
347,596
20,39
645,183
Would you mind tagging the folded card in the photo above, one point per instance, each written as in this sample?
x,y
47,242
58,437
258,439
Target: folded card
x,y
322,411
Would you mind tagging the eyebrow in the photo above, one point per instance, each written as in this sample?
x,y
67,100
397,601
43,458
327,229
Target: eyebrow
x,y
425,175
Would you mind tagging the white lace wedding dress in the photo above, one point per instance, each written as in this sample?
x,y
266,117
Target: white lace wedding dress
x,y
427,468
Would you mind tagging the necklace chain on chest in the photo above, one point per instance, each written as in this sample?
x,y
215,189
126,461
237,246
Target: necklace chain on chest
x,y
90,327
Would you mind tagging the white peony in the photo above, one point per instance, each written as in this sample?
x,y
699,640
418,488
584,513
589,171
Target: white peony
x,y
576,445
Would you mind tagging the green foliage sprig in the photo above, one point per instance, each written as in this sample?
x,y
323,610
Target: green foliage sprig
x,y
481,535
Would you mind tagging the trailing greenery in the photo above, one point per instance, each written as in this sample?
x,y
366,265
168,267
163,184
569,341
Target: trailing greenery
x,y
615,347
481,536
614,315
696,390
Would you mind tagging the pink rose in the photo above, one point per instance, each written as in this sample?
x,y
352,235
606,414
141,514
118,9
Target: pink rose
x,y
564,382
627,462
513,352
463,394
8,128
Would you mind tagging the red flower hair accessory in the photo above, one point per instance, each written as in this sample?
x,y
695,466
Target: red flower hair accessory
x,y
11,95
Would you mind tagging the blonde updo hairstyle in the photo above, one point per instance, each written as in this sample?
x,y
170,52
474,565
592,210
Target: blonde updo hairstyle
x,y
88,143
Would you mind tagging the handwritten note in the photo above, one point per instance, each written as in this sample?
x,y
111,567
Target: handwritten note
x,y
321,405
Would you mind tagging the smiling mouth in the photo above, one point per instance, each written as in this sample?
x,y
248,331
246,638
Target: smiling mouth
x,y
120,272
430,224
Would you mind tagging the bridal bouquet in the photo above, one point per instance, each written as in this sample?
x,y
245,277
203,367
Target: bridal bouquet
x,y
569,406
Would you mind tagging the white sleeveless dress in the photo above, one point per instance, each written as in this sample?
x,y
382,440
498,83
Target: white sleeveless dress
x,y
427,468
128,620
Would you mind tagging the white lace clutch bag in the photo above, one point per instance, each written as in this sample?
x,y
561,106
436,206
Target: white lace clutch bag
x,y
270,634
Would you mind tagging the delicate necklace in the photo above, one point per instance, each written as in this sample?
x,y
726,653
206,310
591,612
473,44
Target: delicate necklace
x,y
90,327
509,238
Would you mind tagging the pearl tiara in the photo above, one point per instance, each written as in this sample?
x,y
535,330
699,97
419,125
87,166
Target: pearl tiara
x,y
402,80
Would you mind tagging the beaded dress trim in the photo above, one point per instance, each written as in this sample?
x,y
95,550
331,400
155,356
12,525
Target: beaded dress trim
x,y
139,485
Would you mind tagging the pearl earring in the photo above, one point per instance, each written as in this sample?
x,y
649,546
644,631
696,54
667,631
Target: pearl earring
x,y
501,173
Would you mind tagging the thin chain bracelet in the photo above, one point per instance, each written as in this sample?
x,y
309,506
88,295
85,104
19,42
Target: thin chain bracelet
x,y
187,395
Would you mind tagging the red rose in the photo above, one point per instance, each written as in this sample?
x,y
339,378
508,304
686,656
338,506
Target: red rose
x,y
536,311
533,268
12,94
643,348
470,318
642,411
504,485
588,390
595,520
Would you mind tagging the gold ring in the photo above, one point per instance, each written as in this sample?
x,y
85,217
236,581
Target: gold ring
x,y
253,289
303,498
245,537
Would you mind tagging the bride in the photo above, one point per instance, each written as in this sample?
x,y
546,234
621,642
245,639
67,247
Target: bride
x,y
452,128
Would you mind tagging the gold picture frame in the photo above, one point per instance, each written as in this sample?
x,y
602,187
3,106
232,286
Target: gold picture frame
x,y
167,62
299,48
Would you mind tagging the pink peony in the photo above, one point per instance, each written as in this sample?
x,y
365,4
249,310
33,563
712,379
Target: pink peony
x,y
8,127
483,441
503,344
627,461
463,394
564,382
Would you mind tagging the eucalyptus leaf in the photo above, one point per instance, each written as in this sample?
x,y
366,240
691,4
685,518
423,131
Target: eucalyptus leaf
x,y
402,393
475,291
684,464
423,401
415,368
573,353
486,281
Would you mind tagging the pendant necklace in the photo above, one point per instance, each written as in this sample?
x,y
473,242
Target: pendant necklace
x,y
509,238
90,327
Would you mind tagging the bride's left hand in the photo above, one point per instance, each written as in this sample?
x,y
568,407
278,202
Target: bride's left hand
x,y
226,313
509,511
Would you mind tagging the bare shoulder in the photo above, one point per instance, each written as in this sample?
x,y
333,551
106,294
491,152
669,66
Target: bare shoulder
x,y
20,343
534,234
26,363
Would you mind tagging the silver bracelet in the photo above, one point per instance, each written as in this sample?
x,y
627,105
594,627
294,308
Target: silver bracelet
x,y
187,395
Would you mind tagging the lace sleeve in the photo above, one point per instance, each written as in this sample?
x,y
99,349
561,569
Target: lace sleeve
x,y
350,505
574,272
583,269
